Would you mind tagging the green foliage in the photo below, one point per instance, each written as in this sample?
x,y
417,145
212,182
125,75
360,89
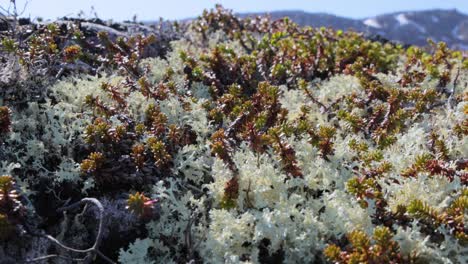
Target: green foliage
x,y
452,217
140,205
161,156
92,163
380,249
9,45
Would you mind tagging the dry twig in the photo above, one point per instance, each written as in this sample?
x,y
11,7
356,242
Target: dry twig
x,y
90,252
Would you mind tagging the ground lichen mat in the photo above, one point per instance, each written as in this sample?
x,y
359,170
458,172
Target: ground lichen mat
x,y
229,140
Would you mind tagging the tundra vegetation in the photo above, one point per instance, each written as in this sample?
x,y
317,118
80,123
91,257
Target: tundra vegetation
x,y
230,140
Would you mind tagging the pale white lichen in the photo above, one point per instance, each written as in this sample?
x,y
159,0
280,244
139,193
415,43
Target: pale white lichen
x,y
227,236
137,252
434,191
342,213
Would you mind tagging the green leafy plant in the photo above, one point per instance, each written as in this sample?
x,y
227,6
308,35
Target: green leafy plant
x,y
363,249
452,217
140,205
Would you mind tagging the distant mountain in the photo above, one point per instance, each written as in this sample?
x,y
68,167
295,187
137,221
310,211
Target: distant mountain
x,y
413,27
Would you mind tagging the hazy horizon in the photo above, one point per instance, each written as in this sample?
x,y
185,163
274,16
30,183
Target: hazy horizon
x,y
145,10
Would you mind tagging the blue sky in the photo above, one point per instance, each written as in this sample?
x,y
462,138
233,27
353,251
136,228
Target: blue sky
x,y
174,9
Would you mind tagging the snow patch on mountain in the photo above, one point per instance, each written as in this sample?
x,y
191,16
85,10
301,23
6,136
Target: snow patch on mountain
x,y
420,28
402,19
372,22
456,33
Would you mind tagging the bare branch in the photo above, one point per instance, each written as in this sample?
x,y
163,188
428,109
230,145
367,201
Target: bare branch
x,y
452,93
92,251
314,100
53,256
24,7
323,108
188,236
